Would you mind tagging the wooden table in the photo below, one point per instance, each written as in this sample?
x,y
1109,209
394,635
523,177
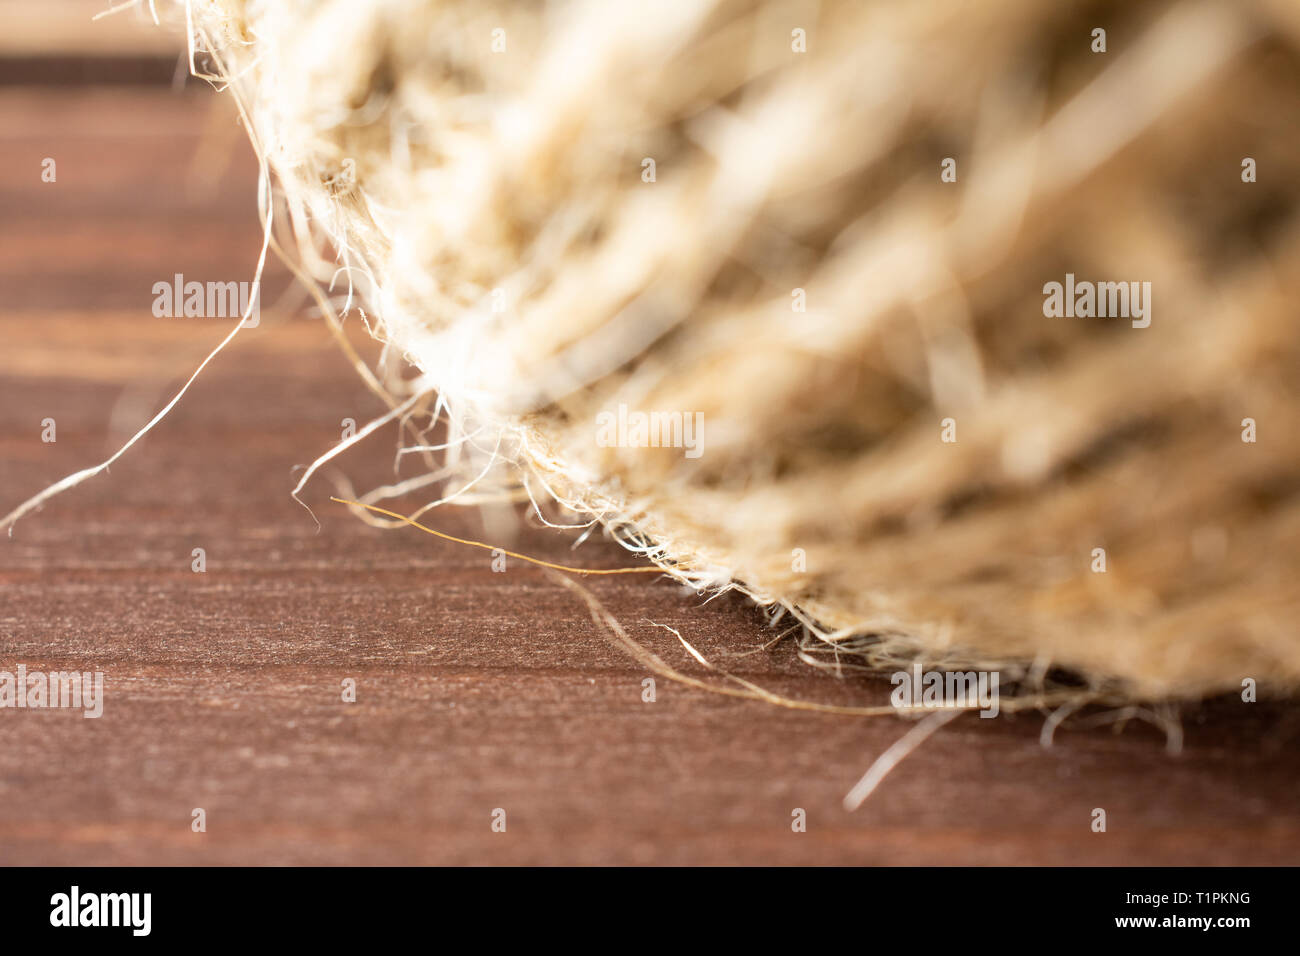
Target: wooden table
x,y
476,690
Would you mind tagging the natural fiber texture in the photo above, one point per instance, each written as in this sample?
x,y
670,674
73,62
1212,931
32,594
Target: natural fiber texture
x,y
436,171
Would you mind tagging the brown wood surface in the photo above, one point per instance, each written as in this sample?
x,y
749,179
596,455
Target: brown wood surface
x,y
477,690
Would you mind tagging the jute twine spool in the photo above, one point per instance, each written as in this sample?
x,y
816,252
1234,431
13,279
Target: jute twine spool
x,y
827,232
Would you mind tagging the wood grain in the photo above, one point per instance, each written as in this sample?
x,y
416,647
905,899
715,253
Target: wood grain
x,y
476,690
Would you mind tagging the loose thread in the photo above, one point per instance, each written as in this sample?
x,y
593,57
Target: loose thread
x,y
479,544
